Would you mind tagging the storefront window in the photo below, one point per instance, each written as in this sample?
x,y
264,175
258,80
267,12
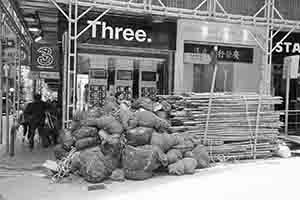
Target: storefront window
x,y
108,74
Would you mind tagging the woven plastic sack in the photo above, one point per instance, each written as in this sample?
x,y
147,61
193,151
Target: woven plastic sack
x,y
202,157
190,165
173,156
110,124
95,166
144,158
110,144
143,102
137,175
85,143
127,117
110,107
118,175
139,136
164,141
148,119
176,168
85,132
185,146
188,154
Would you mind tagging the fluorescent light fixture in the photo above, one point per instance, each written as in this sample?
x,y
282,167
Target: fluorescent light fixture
x,y
34,29
226,33
38,38
204,31
245,34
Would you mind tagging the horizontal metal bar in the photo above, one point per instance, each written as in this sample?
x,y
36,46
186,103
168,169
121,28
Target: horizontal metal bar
x,y
139,8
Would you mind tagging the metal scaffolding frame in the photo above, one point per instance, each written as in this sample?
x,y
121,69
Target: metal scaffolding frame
x,y
267,17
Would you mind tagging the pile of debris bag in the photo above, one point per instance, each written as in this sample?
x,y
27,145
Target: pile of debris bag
x,y
129,141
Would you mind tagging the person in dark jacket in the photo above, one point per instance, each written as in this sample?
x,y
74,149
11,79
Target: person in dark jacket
x,y
36,114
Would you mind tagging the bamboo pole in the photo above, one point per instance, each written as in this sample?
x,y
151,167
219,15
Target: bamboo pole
x,y
287,99
211,95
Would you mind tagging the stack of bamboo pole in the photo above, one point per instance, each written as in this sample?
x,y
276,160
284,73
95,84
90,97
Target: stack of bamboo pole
x,y
232,122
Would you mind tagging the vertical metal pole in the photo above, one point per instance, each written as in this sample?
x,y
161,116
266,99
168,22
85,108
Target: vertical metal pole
x,y
65,67
69,62
2,16
287,99
19,78
75,57
7,113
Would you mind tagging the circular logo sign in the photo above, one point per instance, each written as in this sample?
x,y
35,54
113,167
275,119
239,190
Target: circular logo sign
x,y
46,57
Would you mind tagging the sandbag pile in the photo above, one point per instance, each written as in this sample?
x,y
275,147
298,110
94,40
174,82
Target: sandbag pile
x,y
232,123
129,143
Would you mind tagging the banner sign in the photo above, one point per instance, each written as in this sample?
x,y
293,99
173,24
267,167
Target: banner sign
x,y
195,53
45,57
288,47
131,32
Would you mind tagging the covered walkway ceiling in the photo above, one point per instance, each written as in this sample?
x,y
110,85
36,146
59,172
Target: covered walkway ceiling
x,y
40,13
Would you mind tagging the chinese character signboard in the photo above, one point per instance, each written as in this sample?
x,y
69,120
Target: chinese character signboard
x,y
224,53
45,57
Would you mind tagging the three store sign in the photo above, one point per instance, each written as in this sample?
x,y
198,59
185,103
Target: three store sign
x,y
199,54
45,57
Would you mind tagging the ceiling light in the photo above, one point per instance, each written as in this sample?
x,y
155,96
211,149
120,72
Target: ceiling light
x,y
38,38
34,29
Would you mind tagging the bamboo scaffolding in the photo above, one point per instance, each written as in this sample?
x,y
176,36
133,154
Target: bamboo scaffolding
x,y
232,123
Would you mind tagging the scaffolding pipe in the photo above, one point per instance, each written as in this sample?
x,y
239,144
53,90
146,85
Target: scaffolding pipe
x,y
221,7
84,13
93,23
2,18
200,5
286,35
61,10
267,21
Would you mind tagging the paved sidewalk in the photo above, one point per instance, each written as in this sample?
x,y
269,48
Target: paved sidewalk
x,y
24,158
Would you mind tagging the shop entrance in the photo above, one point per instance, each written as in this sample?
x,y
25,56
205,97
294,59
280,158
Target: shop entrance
x,y
203,77
108,74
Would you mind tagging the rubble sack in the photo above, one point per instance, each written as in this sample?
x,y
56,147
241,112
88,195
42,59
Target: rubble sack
x,y
202,157
85,132
86,143
164,141
94,166
148,119
184,166
139,136
142,159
